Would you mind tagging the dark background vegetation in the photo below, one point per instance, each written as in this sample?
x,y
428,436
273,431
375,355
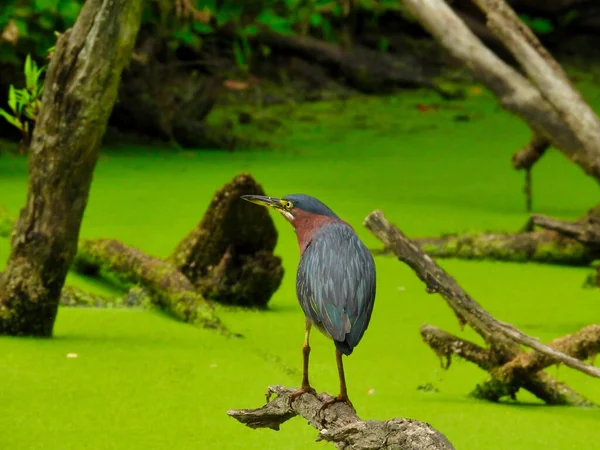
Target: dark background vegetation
x,y
242,56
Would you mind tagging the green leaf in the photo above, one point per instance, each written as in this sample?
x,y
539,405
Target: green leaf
x,y
11,119
12,98
275,22
239,55
45,6
29,73
22,27
316,19
45,23
249,30
69,10
202,28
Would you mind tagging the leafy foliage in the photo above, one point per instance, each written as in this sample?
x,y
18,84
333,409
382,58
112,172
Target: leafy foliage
x,y
25,103
35,22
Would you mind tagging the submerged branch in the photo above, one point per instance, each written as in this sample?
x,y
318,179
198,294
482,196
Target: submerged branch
x,y
339,423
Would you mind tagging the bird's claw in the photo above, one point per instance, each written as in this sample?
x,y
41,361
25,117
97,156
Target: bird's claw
x,y
302,390
339,399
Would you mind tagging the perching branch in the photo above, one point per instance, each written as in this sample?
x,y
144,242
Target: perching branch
x,y
494,332
340,425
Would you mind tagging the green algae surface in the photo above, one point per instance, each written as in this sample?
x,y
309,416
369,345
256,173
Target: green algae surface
x,y
141,380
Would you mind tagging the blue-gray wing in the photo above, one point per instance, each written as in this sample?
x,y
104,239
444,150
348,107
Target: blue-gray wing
x,y
336,284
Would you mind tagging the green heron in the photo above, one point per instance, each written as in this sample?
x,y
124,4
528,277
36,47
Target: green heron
x,y
335,282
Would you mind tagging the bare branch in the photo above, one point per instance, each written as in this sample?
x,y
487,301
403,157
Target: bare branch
x,y
514,91
525,158
585,231
524,371
339,424
445,345
582,345
496,333
547,74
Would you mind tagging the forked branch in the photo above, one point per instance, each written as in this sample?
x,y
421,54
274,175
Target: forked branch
x,y
495,332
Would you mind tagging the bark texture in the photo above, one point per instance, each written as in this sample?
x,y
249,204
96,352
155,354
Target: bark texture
x,y
229,255
80,90
340,425
168,287
503,339
552,107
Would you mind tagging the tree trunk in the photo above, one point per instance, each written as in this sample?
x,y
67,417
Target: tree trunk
x,y
80,90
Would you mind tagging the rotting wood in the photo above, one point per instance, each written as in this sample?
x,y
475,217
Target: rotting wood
x,y
340,425
229,256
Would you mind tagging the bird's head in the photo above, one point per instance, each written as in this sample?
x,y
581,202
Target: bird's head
x,y
294,206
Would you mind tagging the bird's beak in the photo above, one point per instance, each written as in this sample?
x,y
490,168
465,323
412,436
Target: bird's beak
x,y
262,200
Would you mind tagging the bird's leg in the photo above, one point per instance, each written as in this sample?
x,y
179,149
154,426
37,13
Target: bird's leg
x,y
305,353
343,395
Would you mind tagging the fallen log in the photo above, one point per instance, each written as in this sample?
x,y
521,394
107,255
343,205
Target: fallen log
x,y
168,287
364,69
229,256
534,246
339,423
502,338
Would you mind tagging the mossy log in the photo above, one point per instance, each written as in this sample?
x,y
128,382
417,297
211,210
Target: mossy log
x,y
575,243
80,89
136,297
229,255
168,287
502,339
535,246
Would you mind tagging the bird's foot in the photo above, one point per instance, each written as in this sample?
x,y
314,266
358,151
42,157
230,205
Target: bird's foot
x,y
339,399
305,389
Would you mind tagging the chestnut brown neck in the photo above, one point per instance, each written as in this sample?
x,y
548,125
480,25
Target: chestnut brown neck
x,y
307,224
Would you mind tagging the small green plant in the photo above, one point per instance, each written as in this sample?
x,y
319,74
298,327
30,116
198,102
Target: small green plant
x,y
25,103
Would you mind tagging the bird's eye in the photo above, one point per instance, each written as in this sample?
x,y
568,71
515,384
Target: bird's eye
x,y
288,205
